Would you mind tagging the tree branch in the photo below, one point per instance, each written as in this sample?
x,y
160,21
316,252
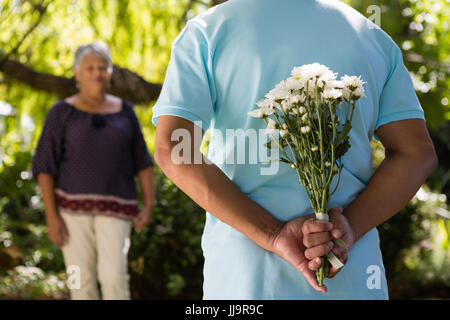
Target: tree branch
x,y
124,83
216,2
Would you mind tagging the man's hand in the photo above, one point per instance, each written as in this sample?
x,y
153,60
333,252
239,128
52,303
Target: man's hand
x,y
302,240
341,230
57,231
142,218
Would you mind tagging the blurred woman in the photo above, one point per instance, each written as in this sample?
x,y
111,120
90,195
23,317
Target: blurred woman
x,y
90,150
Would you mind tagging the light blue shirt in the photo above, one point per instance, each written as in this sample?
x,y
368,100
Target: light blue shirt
x,y
223,62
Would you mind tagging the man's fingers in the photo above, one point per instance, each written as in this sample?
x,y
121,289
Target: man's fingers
x,y
315,239
339,251
310,276
313,225
319,250
333,272
336,233
336,210
315,264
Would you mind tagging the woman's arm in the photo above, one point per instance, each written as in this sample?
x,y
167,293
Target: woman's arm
x,y
410,159
47,186
57,231
146,182
148,195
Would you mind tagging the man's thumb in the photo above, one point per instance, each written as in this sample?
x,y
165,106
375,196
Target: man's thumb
x,y
337,210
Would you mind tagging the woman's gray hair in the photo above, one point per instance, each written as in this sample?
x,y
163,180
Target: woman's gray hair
x,y
98,48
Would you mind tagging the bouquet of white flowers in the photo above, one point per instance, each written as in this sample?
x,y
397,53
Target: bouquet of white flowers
x,y
302,121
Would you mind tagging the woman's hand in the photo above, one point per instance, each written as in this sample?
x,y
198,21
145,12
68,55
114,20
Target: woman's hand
x,y
142,218
57,231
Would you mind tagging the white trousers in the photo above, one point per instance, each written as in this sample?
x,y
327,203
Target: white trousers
x,y
97,249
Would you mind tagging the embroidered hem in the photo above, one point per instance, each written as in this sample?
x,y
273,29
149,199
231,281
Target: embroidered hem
x,y
96,204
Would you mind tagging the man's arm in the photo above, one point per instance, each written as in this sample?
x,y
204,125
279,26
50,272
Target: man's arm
x,y
210,188
410,159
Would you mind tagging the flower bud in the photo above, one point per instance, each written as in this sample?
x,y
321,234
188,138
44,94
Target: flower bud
x,y
305,129
305,117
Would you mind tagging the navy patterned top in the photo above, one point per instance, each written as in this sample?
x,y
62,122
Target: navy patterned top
x,y
93,158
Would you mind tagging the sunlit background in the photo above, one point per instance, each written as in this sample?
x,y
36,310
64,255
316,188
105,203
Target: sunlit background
x,y
37,43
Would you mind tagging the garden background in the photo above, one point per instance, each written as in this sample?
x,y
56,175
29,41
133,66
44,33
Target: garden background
x,y
37,42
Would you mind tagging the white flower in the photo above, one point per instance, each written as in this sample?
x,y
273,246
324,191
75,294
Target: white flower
x,y
294,111
281,91
286,105
346,92
327,164
305,129
257,113
283,133
310,71
264,103
314,148
293,84
271,126
302,110
268,105
353,86
358,93
265,109
325,78
334,84
331,94
297,98
305,117
352,82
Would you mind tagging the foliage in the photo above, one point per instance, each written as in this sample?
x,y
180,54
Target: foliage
x,y
419,262
165,258
420,29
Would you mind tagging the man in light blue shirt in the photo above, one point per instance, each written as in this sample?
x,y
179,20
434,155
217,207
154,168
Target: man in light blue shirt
x,y
223,62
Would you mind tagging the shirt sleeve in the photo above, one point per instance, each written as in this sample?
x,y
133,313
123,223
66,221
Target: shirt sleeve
x,y
398,99
49,149
141,156
188,90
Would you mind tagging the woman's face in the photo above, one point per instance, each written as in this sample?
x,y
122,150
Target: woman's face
x,y
92,73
